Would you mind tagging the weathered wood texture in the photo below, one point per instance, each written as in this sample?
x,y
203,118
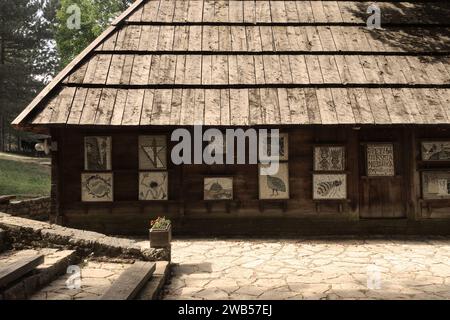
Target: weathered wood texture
x,y
265,11
130,282
180,62
274,106
18,269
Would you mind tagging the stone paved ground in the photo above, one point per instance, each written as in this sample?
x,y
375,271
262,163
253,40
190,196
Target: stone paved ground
x,y
318,269
96,278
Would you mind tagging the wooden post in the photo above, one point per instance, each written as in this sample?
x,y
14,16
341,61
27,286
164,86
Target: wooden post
x,y
353,169
412,181
55,193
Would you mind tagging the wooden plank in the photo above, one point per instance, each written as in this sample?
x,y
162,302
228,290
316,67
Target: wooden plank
x,y
233,70
154,70
192,73
225,38
206,70
127,68
249,12
225,118
272,69
318,12
46,115
208,11
326,106
329,69
132,36
269,106
370,69
115,69
90,106
166,11
147,107
181,11
239,106
110,42
167,69
431,105
175,112
297,106
106,107
180,69
299,69
61,114
313,38
210,38
339,38
238,39
18,269
259,69
360,105
305,13
119,107
262,11
136,16
236,11
344,71
246,69
378,106
343,106
195,38
314,72
77,106
313,106
254,105
267,38
326,39
332,12
280,38
286,72
283,102
91,68
221,11
150,11
212,106
278,11
181,38
161,107
253,39
398,111
444,97
355,69
291,11
165,41
78,75
141,70
410,103
133,107
195,13
130,282
199,107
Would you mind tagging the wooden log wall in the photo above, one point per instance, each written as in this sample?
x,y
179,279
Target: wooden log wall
x,y
368,198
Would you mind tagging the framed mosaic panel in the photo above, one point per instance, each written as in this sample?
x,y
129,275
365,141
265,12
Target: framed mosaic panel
x,y
380,160
329,158
283,147
274,186
218,188
152,152
435,150
436,184
97,187
153,186
97,153
329,186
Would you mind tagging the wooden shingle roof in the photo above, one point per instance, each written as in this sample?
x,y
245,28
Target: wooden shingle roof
x,y
220,62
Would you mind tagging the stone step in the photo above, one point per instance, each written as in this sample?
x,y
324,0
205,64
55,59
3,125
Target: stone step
x,y
55,264
152,290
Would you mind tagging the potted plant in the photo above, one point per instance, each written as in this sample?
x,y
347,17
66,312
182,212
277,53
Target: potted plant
x,y
160,233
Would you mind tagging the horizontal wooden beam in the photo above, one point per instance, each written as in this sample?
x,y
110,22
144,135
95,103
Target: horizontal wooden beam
x,y
18,269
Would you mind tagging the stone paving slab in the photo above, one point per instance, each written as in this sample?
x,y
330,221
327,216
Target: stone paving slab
x,y
96,278
413,268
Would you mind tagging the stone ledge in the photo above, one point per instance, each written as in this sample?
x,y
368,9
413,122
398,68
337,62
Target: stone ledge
x,y
38,209
25,233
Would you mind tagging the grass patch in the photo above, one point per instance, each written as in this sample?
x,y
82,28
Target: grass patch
x,y
18,178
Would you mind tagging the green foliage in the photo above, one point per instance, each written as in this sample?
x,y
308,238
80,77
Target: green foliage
x,y
160,223
18,178
95,17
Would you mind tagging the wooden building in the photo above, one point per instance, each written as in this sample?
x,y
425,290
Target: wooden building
x,y
365,114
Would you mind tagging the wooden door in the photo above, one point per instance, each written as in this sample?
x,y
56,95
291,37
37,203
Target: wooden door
x,y
382,187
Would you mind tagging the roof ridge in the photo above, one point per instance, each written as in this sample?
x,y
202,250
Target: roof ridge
x,y
75,63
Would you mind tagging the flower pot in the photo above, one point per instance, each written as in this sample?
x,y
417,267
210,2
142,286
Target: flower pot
x,y
160,238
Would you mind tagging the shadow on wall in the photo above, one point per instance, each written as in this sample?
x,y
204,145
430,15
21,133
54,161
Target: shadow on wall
x,y
410,38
